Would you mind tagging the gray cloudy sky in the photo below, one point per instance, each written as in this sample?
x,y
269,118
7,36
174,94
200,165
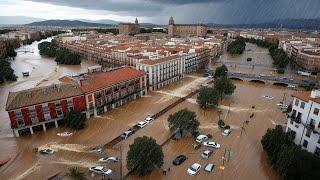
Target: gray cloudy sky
x,y
159,11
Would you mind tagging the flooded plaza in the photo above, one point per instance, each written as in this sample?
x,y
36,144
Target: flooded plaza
x,y
247,162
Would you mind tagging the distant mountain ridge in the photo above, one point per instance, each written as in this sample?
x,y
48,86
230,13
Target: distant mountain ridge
x,y
67,23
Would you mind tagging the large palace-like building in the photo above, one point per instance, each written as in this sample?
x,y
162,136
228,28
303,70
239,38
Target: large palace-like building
x,y
186,30
129,28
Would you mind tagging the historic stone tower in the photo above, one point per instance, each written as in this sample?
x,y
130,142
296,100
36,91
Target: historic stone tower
x,y
171,27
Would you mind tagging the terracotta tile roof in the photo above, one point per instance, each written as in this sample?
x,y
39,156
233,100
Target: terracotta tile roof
x,y
100,80
160,60
41,95
305,96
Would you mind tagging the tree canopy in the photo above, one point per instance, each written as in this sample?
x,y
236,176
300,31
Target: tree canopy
x,y
184,120
224,86
237,46
221,71
6,72
75,120
288,159
144,155
62,56
207,97
76,174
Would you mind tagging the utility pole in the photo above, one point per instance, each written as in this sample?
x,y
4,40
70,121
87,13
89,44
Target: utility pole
x,y
120,162
242,128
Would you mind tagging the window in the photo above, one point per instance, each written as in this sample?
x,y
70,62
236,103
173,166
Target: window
x,y
316,111
296,102
308,134
305,144
317,152
302,105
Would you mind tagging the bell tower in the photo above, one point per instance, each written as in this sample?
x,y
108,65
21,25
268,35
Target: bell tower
x,y
171,21
171,27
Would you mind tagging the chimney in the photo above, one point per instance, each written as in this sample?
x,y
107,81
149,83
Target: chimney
x,y
315,93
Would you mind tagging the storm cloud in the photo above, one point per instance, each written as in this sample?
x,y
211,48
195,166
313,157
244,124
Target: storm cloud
x,y
192,11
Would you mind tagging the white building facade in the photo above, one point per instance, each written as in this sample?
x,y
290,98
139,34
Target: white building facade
x,y
163,71
304,120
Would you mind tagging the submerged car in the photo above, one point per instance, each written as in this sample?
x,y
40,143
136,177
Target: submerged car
x,y
142,124
149,119
179,160
46,151
100,170
109,159
64,134
282,106
209,167
268,97
126,134
97,149
211,144
226,132
201,138
194,169
196,146
206,154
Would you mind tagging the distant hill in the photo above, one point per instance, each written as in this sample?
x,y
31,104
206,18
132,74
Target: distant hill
x,y
101,21
66,23
280,23
7,20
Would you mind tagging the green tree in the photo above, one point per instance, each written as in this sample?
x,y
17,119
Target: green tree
x,y
10,51
207,97
288,159
221,71
144,155
224,86
237,46
6,72
76,174
273,140
75,120
184,120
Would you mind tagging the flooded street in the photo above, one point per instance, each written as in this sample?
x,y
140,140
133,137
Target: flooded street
x,y
43,71
261,63
248,160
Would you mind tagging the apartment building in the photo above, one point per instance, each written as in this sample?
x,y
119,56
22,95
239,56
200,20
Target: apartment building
x,y
304,120
104,91
162,71
38,109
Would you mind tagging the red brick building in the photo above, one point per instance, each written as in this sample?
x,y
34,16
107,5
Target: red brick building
x,y
39,109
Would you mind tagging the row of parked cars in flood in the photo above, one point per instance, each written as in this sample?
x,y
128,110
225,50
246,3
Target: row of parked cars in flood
x,y
139,125
204,140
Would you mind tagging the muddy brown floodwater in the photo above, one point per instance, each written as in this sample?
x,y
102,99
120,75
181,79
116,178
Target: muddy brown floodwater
x,y
248,160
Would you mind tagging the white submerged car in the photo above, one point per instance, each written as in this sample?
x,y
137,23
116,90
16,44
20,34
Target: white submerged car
x,y
149,119
201,138
100,170
268,97
226,132
109,159
211,144
142,124
282,106
194,169
65,134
